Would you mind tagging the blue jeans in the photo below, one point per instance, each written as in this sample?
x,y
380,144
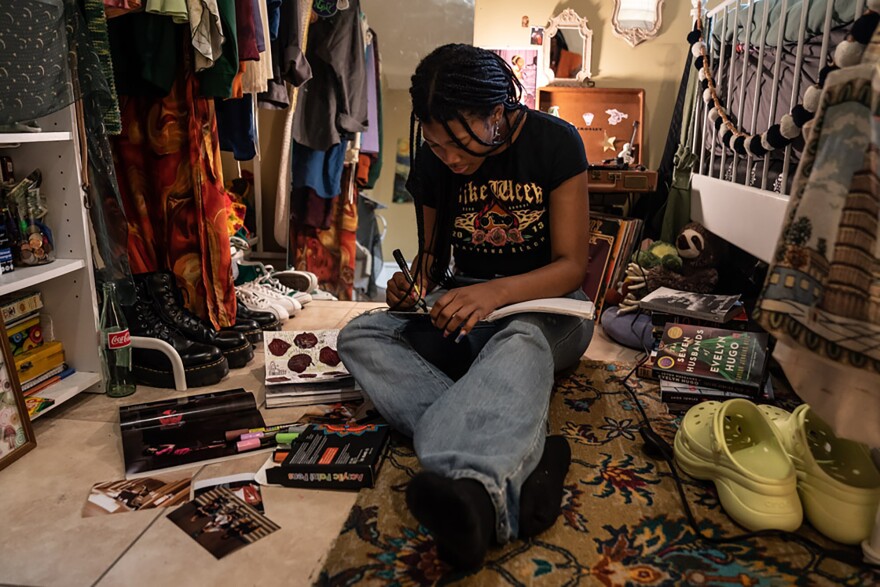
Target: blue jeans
x,y
482,413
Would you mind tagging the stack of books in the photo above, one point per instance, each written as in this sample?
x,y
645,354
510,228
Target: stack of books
x,y
705,349
303,368
612,242
699,363
38,362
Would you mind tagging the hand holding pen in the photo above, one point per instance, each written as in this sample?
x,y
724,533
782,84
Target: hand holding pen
x,y
398,293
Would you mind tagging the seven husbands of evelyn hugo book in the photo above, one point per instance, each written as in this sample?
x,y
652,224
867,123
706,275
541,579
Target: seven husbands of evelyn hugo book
x,y
713,357
176,433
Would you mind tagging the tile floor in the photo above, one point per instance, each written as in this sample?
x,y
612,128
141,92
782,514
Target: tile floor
x,y
45,541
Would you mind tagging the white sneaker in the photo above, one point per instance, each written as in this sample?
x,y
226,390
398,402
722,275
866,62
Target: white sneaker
x,y
268,281
290,304
299,280
254,301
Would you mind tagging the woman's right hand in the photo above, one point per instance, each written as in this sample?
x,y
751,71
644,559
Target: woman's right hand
x,y
399,294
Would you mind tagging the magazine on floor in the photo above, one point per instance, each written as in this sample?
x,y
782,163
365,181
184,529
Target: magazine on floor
x,y
176,433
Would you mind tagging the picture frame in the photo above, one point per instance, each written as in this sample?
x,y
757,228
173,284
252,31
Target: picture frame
x,y
16,434
525,62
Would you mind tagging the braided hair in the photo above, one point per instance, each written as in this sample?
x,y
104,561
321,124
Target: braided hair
x,y
453,82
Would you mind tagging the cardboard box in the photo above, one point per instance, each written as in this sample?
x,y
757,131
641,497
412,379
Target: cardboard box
x,y
328,456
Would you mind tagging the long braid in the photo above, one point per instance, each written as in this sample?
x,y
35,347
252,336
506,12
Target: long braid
x,y
452,82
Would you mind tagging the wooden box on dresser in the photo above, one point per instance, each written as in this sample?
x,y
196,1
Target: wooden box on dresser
x,y
67,284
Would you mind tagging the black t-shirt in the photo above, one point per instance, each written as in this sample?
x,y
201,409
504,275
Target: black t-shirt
x,y
502,220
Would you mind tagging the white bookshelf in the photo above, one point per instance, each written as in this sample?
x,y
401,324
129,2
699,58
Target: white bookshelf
x,y
67,388
67,284
26,278
18,138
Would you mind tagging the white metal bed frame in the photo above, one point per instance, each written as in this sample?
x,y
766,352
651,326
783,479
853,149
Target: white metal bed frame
x,y
748,216
745,215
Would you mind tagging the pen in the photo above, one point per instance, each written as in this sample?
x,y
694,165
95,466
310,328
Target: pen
x,y
401,262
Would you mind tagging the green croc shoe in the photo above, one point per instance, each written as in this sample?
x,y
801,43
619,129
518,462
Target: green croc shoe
x,y
838,482
737,447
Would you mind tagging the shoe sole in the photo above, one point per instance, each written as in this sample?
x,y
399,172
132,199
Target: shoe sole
x,y
198,376
240,356
695,466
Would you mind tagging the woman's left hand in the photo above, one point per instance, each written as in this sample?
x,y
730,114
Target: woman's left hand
x,y
463,307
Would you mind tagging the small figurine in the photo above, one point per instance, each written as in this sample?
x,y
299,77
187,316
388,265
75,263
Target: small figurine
x,y
626,156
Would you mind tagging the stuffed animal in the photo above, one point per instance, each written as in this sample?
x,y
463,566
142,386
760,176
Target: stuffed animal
x,y
700,252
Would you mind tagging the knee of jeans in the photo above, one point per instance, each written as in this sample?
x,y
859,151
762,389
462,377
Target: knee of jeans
x,y
528,329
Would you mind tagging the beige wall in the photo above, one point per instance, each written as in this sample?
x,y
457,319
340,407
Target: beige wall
x,y
655,65
401,217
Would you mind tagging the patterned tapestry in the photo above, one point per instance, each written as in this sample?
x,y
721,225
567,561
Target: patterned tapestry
x,y
823,289
622,521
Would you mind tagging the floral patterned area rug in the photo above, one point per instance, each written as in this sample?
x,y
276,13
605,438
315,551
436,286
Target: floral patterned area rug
x,y
622,522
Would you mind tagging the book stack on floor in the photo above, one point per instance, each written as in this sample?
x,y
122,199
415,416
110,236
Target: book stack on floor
x,y
700,363
39,362
612,242
303,368
706,349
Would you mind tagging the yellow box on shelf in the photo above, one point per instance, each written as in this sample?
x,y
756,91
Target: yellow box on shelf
x,y
38,361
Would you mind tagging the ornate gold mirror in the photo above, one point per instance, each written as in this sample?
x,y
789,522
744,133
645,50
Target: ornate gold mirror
x,y
568,48
636,21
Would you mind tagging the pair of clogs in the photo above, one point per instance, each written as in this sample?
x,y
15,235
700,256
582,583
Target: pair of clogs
x,y
771,467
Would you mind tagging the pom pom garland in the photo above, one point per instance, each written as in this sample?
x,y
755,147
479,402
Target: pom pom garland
x,y
863,29
811,98
755,145
788,128
775,138
848,53
801,115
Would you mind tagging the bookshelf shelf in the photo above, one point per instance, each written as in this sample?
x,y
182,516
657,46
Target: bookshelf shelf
x,y
23,278
67,388
11,139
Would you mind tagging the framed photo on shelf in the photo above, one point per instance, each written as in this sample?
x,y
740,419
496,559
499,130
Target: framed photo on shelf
x,y
16,434
524,62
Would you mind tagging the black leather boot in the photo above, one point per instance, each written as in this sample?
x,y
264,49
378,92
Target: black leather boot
x,y
249,328
204,364
168,305
266,320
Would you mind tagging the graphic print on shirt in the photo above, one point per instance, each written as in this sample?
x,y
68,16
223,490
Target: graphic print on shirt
x,y
498,217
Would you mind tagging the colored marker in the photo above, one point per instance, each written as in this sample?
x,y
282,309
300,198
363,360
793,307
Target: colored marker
x,y
233,434
286,437
254,443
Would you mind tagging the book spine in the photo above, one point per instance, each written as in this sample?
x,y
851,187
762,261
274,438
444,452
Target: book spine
x,y
16,309
720,384
692,399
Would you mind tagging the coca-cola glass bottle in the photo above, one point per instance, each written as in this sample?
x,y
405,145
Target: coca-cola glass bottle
x,y
115,346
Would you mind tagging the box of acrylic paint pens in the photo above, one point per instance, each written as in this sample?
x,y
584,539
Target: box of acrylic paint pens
x,y
329,456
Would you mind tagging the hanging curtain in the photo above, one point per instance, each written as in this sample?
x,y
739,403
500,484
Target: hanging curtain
x,y
168,162
822,293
